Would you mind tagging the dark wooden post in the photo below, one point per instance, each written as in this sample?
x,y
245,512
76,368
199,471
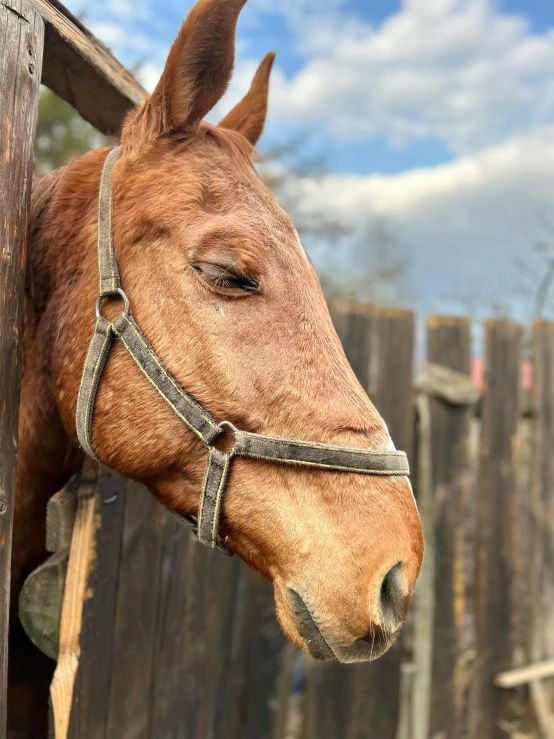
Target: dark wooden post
x,y
21,44
448,344
498,564
375,687
542,582
355,326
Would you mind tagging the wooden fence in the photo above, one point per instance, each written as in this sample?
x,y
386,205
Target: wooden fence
x,y
179,641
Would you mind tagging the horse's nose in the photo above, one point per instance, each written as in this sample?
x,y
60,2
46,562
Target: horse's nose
x,y
378,623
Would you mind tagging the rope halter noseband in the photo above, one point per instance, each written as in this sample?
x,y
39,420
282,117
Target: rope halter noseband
x,y
194,415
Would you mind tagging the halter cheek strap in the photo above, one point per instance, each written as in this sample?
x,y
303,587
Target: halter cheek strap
x,y
195,416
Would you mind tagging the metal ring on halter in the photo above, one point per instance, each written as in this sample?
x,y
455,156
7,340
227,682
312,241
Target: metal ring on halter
x,y
122,295
234,430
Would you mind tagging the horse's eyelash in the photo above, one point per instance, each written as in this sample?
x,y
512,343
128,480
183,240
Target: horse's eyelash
x,y
226,278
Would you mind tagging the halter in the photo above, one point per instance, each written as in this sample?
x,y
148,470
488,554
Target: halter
x,y
194,415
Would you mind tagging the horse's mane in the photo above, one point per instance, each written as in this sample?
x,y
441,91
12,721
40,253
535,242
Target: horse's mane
x,y
43,188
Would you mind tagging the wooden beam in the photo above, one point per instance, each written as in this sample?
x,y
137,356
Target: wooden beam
x,y
524,675
79,69
21,43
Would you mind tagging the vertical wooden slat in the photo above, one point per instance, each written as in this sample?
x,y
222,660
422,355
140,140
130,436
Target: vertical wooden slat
x,y
498,568
166,713
197,630
136,615
449,345
224,577
375,690
354,325
266,667
91,694
328,700
239,633
395,374
541,572
21,46
333,692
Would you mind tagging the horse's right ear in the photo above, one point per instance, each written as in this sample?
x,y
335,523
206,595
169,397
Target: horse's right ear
x,y
196,74
249,115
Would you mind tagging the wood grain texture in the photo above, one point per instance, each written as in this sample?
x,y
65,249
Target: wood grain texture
x,y
21,45
542,596
136,615
498,568
395,373
449,345
82,559
167,714
79,69
375,692
60,516
92,685
354,325
328,700
267,669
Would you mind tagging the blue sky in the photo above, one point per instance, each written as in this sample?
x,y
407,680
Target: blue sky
x,y
434,115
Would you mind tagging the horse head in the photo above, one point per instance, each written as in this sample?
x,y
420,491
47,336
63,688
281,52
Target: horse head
x,y
221,285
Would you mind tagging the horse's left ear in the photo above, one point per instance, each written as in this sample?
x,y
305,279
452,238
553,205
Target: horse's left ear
x,y
248,117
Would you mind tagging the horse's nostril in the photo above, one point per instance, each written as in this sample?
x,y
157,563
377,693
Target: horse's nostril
x,y
392,598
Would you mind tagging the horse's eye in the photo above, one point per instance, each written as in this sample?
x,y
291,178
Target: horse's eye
x,y
226,278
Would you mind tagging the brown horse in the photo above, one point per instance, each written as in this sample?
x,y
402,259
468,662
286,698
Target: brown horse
x,y
223,289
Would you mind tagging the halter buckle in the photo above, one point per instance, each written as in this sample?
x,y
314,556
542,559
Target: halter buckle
x,y
121,294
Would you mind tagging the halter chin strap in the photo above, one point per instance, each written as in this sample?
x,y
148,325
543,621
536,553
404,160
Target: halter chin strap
x,y
194,415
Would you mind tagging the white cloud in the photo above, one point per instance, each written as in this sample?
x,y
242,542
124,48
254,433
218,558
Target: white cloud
x,y
466,221
457,70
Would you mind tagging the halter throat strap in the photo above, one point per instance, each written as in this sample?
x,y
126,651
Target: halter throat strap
x,y
193,414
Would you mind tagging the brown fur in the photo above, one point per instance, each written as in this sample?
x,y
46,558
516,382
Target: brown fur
x,y
185,196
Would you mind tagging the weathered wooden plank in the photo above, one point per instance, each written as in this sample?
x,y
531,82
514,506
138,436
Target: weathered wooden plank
x,y
224,577
266,698
354,325
60,516
449,345
525,675
328,700
167,711
498,566
395,374
196,636
542,565
78,68
136,615
92,685
82,559
375,691
21,46
233,696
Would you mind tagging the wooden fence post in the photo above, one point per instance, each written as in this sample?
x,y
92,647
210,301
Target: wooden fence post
x,y
329,687
21,45
375,687
448,344
541,596
498,567
355,326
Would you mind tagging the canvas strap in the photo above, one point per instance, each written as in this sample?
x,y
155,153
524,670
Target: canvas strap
x,y
193,414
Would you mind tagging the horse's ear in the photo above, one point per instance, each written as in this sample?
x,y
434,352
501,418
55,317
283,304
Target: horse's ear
x,y
248,116
197,71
